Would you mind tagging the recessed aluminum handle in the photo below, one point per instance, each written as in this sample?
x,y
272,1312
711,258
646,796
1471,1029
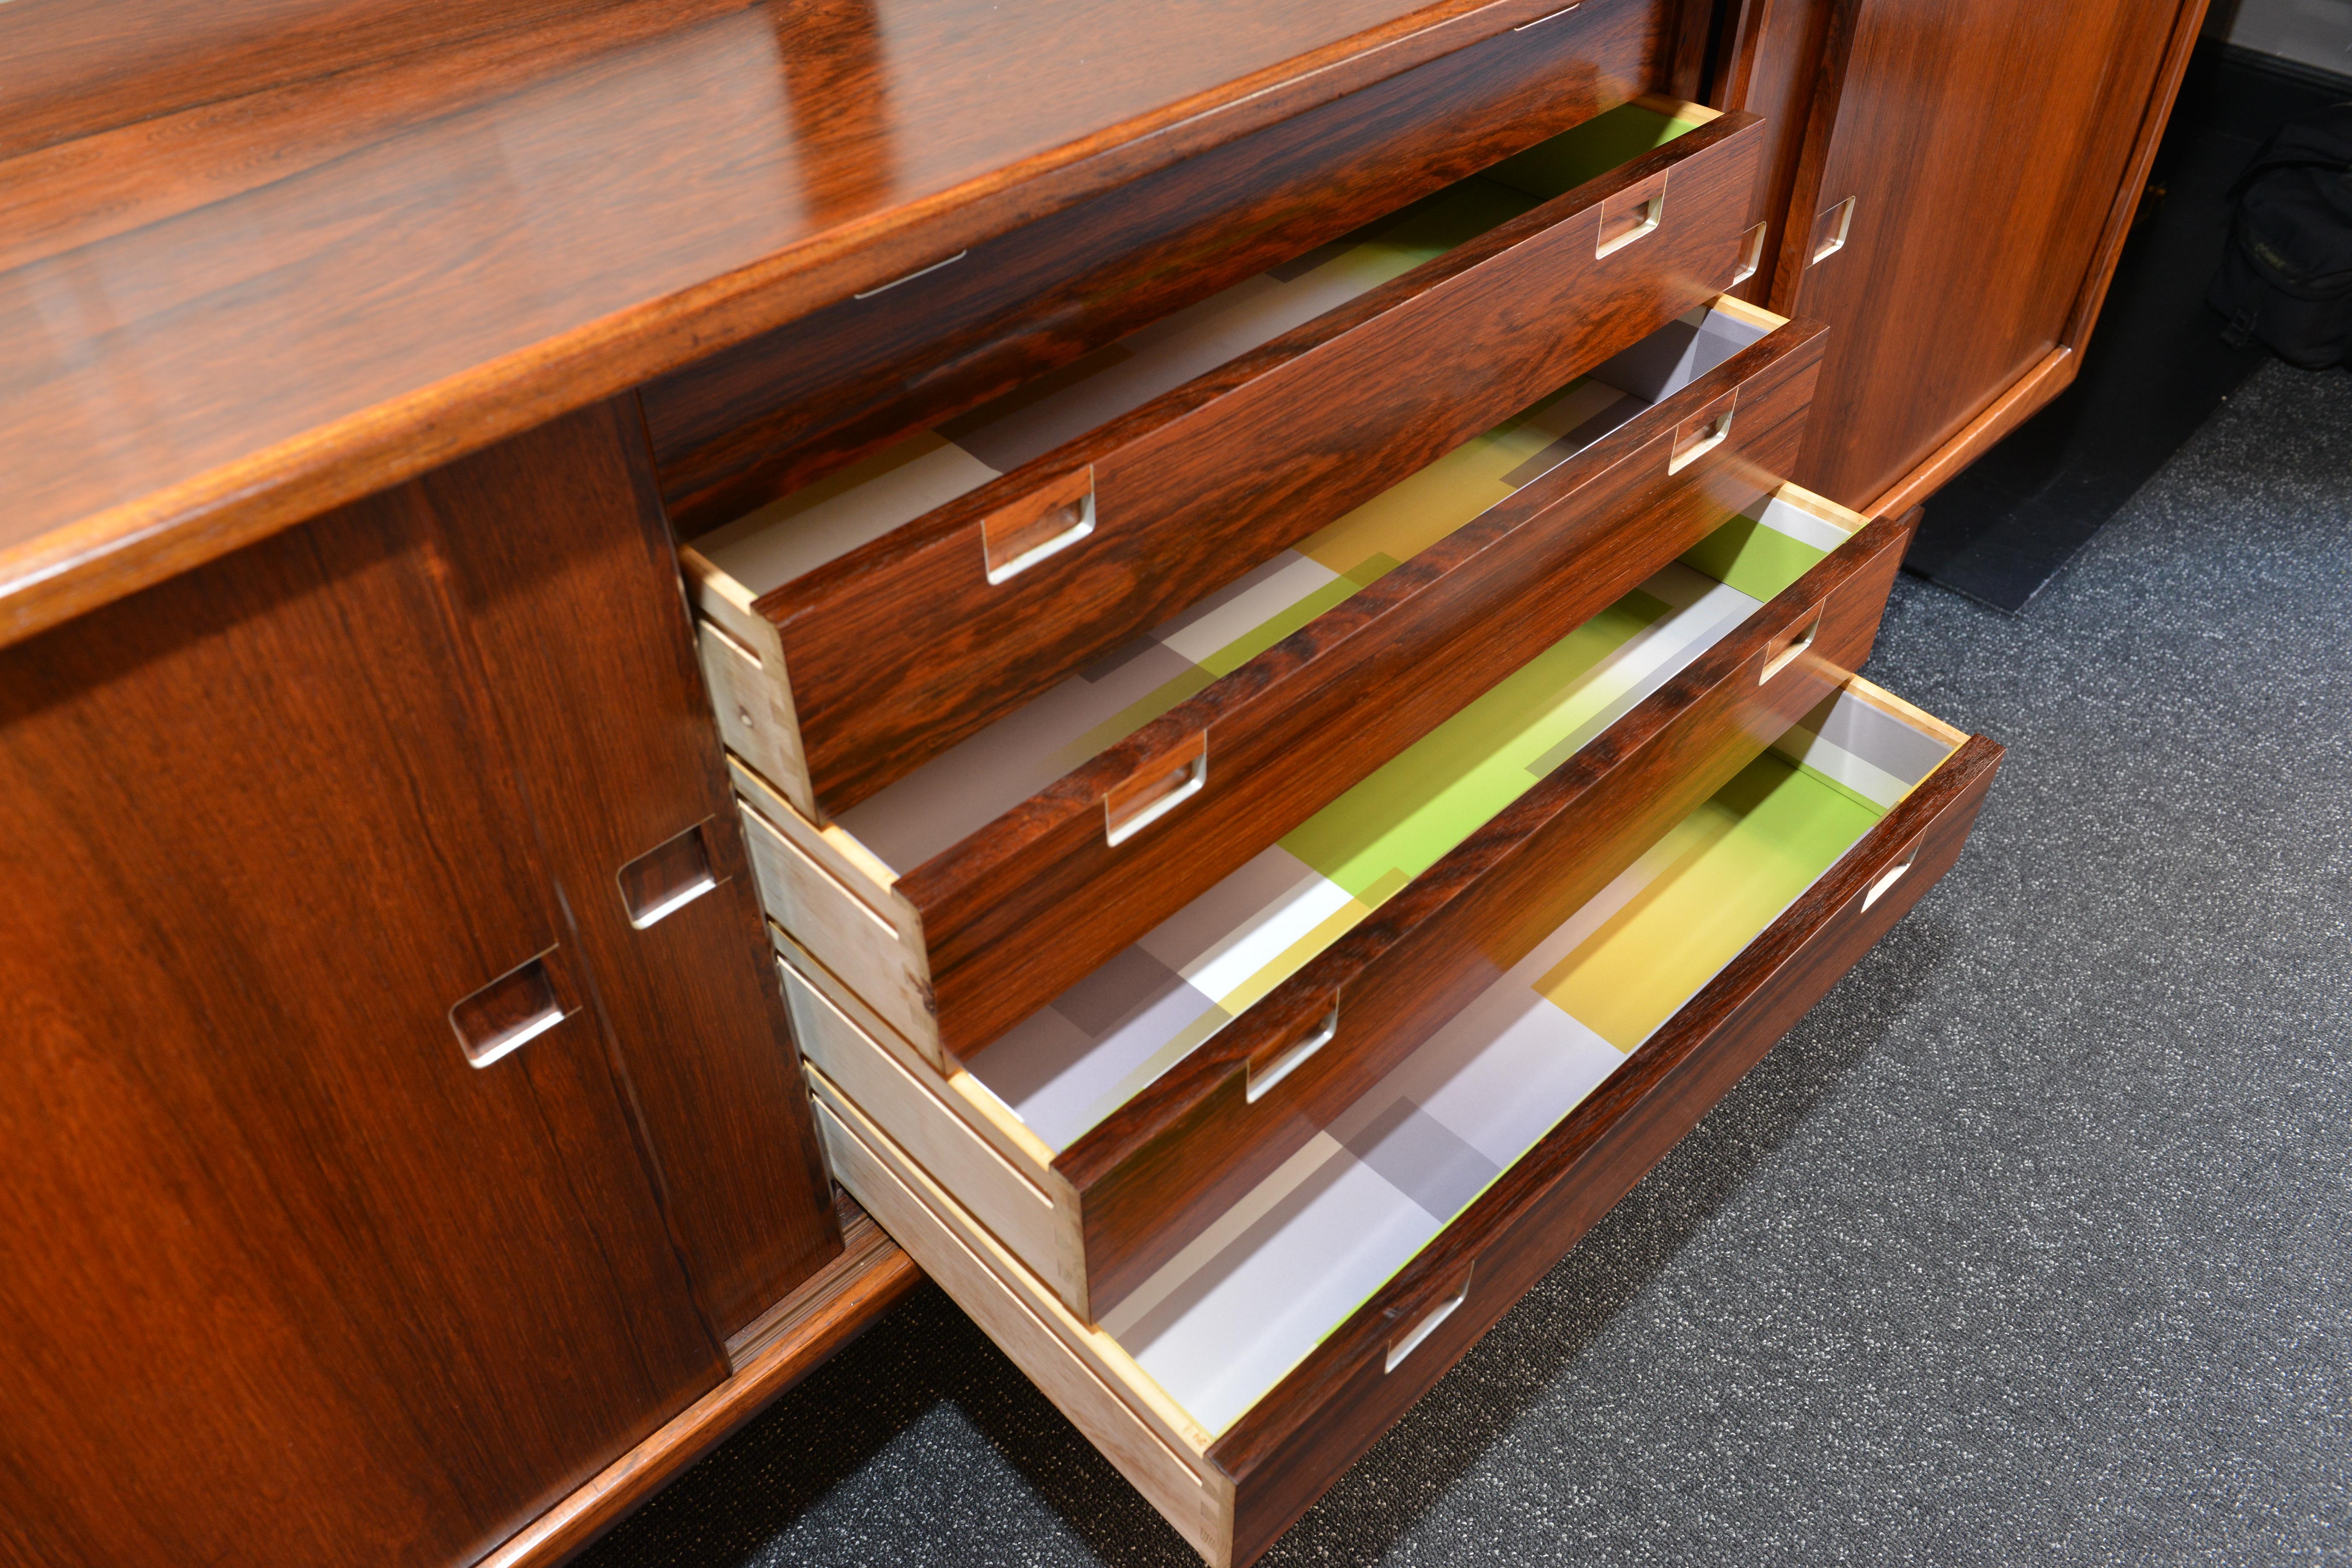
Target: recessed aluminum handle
x,y
666,878
1794,649
1703,432
1400,1348
1888,877
1630,215
1550,17
1157,788
510,1011
1044,523
1751,257
1830,229
910,277
1290,1062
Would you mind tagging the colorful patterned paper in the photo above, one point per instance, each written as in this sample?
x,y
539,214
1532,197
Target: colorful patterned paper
x,y
1228,1318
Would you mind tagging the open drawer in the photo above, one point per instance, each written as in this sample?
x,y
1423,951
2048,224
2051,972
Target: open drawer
x,y
1249,1371
858,627
974,891
1107,1128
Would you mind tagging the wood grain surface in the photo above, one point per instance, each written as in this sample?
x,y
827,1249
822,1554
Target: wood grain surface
x,y
1165,1164
903,647
1988,145
269,258
565,589
1768,65
832,1308
1016,913
284,1278
1289,1448
740,427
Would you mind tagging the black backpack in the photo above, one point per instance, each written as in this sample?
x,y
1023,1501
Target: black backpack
x,y
2287,275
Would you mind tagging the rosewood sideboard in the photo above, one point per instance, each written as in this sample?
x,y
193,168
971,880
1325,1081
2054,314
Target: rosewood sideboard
x,y
665,664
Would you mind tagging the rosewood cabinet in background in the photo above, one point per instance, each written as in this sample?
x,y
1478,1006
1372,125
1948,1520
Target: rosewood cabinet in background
x,y
408,1158
1949,186
362,1302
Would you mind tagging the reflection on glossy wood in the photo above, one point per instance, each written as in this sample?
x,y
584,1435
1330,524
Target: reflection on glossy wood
x,y
484,242
1289,1448
1987,145
122,114
903,647
741,428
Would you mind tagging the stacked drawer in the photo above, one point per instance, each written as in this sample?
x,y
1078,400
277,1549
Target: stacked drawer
x,y
1270,831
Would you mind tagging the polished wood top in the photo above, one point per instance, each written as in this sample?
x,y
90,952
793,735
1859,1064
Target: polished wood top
x,y
258,257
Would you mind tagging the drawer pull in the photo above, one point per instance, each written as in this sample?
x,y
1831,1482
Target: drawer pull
x,y
1552,16
910,277
1829,230
666,878
1014,538
1797,641
1288,1062
1751,255
1405,1345
1703,432
1629,214
1888,877
1157,788
509,1012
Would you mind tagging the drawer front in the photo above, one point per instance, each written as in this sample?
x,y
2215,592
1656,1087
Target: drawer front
x,y
1152,1176
749,423
1017,914
905,646
1289,1448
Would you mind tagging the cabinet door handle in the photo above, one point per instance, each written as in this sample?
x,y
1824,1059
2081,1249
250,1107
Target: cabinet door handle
x,y
513,1010
668,878
1790,645
1046,522
1411,1340
1155,789
1292,1056
1829,230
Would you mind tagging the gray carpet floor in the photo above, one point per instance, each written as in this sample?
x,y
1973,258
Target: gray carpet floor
x,y
2032,1244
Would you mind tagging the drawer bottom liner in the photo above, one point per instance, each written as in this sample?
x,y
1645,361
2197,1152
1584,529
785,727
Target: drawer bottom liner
x,y
1221,1324
1075,1062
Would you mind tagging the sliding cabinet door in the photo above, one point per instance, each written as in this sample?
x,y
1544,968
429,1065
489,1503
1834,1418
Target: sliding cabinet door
x,y
1965,172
